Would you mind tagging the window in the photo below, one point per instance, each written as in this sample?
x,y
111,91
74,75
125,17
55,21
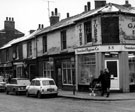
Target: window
x,y
47,69
37,83
68,72
110,30
87,68
44,44
131,59
48,82
33,82
29,48
88,32
63,40
16,52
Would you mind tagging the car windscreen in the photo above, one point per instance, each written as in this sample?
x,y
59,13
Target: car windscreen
x,y
23,82
48,82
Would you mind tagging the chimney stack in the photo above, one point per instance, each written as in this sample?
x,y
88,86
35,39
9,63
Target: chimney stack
x,y
40,26
54,17
99,3
127,4
9,24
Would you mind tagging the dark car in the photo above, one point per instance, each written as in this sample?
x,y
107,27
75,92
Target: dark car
x,y
17,85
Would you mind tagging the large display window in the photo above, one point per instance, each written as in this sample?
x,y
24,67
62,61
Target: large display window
x,y
87,68
131,59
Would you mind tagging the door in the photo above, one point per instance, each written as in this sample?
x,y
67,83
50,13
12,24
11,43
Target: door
x,y
113,67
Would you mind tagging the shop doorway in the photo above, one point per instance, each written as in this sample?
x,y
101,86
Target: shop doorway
x,y
113,66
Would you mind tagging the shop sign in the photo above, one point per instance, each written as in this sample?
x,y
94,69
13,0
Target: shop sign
x,y
87,50
129,47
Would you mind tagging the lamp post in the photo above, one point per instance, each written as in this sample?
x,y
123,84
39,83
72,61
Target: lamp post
x,y
73,73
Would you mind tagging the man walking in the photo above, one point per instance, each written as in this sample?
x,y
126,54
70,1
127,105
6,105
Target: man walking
x,y
104,78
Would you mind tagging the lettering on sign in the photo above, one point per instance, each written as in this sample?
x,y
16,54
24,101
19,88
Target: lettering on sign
x,y
110,47
88,49
80,33
95,30
129,47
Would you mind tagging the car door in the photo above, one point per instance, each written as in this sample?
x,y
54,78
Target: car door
x,y
31,87
37,86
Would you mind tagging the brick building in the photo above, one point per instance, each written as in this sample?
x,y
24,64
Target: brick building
x,y
9,32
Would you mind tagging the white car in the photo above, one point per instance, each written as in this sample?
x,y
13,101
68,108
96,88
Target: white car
x,y
42,86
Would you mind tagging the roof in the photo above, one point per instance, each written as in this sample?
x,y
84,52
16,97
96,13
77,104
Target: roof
x,y
108,8
16,31
20,39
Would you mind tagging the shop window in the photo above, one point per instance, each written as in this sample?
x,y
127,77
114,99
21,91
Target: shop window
x,y
44,44
88,32
68,72
63,40
87,66
110,30
48,69
131,58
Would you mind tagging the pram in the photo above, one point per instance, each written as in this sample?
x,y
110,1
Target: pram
x,y
95,87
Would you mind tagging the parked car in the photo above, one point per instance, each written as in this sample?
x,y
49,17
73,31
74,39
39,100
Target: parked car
x,y
17,85
42,86
2,84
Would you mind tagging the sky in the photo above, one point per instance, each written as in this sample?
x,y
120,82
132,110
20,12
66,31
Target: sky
x,y
28,14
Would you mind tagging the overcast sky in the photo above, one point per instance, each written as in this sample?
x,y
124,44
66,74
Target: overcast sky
x,y
28,14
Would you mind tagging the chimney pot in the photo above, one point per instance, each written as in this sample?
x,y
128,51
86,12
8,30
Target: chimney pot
x,y
88,5
56,12
12,19
52,13
67,15
85,8
42,26
6,18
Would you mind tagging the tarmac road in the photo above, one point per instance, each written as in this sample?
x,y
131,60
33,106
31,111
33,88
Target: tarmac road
x,y
12,103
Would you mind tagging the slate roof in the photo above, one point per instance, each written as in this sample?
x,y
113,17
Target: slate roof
x,y
17,40
108,8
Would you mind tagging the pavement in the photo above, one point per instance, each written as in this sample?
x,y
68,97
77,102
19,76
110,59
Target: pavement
x,y
87,96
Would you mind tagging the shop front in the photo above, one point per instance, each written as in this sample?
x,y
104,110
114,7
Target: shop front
x,y
119,59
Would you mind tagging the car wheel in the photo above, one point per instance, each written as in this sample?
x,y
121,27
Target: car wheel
x,y
39,95
27,93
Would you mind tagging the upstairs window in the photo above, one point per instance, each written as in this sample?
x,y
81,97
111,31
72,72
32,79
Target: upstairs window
x,y
29,48
16,52
44,43
63,40
110,30
88,32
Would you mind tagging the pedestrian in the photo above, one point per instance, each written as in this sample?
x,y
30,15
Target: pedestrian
x,y
104,78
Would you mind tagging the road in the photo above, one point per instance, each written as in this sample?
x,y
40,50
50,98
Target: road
x,y
12,103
